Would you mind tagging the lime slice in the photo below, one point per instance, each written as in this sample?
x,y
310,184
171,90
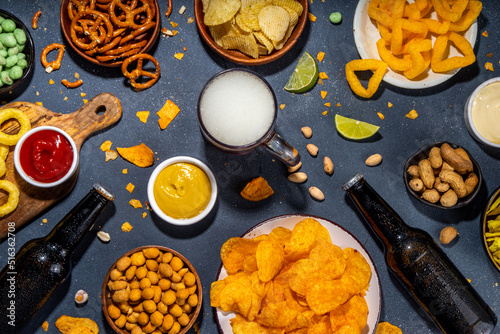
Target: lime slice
x,y
304,75
354,129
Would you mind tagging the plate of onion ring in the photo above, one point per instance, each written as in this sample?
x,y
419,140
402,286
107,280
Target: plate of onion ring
x,y
366,35
339,237
105,32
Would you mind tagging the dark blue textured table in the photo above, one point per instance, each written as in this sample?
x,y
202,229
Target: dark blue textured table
x,y
440,118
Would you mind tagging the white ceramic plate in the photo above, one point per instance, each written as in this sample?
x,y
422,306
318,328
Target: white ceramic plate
x,y
366,36
340,237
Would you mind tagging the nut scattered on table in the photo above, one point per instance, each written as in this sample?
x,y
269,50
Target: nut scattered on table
x,y
306,131
297,177
447,235
373,160
293,169
103,236
81,297
328,165
312,149
316,193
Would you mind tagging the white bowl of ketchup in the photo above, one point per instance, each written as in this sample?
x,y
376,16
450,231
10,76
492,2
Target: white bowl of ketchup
x,y
46,156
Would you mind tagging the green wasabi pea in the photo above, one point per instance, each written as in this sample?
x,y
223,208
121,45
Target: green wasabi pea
x,y
11,61
21,47
1,19
21,55
5,77
8,39
335,18
8,25
3,60
22,63
3,53
20,36
13,51
16,72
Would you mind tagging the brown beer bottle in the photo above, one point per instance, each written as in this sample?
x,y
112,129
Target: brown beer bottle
x,y
422,267
42,264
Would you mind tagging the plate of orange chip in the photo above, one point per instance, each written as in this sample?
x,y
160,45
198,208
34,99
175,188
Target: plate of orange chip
x,y
295,272
422,45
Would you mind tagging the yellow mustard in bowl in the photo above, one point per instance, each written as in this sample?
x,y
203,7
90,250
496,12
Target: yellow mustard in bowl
x,y
182,190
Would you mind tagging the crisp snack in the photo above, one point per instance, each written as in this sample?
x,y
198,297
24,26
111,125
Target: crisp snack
x,y
106,146
139,155
24,122
257,190
67,325
440,45
255,28
13,199
377,66
387,328
167,114
301,283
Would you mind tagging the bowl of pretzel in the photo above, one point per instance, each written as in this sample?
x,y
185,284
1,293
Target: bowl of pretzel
x,y
106,32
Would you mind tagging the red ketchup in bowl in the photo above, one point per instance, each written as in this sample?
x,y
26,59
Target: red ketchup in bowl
x,y
46,156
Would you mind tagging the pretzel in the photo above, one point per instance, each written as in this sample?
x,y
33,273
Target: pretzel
x,y
169,10
136,33
94,32
138,72
125,54
126,47
34,20
75,84
55,64
131,13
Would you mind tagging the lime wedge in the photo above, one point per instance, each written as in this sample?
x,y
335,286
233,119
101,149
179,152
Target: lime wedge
x,y
354,129
304,75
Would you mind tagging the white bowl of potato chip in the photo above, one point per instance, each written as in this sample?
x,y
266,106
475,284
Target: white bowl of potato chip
x,y
237,34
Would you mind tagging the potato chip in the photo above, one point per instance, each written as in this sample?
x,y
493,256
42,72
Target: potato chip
x,y
66,324
250,14
139,155
244,44
235,297
282,234
241,326
274,21
238,19
357,273
295,5
262,38
234,251
257,190
126,227
323,327
270,257
167,114
221,11
276,315
306,234
294,19
387,328
353,313
329,258
215,291
304,272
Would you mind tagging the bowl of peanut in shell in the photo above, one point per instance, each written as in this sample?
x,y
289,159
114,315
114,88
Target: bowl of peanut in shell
x,y
151,288
442,175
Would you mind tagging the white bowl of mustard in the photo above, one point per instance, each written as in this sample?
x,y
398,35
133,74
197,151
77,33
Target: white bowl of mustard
x,y
182,190
482,113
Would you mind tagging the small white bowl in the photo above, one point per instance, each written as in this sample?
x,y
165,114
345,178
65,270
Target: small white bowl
x,y
163,215
468,115
69,173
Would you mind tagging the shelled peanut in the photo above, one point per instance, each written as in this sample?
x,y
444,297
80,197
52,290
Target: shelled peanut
x,y
445,176
152,291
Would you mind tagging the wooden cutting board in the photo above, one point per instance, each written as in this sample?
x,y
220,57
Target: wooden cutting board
x,y
97,114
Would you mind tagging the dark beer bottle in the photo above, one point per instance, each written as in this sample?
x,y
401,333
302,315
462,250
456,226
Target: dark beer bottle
x,y
422,267
42,264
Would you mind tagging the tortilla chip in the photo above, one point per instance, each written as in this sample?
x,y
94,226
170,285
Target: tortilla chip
x,y
167,114
139,155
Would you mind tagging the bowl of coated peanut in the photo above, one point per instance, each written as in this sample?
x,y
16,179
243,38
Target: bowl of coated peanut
x,y
151,289
443,175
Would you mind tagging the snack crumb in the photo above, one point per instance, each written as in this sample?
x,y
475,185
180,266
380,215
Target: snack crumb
x,y
323,94
328,104
380,115
179,55
282,106
130,187
320,56
45,326
125,171
485,33
105,146
323,75
311,17
143,116
325,112
338,104
144,214
82,94
126,227
389,105
51,82
135,203
489,66
44,220
412,114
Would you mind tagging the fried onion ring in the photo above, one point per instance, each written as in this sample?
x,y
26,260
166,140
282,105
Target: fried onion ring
x,y
13,200
24,121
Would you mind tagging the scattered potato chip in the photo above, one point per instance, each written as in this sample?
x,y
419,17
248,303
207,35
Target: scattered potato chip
x,y
387,328
143,116
135,203
67,324
139,155
130,187
111,155
106,145
167,114
257,190
126,227
412,114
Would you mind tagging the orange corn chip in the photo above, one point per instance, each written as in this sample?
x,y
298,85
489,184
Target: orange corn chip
x,y
135,203
412,114
323,94
167,113
106,145
130,187
143,116
139,155
257,190
126,227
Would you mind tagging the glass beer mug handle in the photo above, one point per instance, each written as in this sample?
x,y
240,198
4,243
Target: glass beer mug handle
x,y
278,147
